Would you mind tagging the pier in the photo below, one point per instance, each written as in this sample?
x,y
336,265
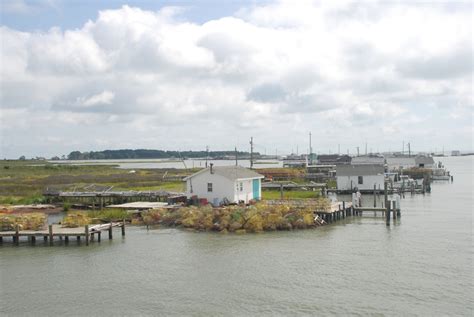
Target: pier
x,y
88,233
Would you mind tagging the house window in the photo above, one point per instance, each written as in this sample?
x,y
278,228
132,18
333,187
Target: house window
x,y
360,180
209,187
241,186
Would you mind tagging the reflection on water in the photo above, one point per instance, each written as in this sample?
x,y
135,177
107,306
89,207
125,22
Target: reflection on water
x,y
420,266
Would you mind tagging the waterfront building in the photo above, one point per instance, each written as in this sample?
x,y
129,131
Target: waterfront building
x,y
225,184
360,176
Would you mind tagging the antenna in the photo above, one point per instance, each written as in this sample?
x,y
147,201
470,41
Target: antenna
x,y
251,152
236,159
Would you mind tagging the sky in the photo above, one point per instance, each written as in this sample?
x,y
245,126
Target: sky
x,y
183,75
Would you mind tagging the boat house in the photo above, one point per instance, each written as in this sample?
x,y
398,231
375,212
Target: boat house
x,y
360,176
225,184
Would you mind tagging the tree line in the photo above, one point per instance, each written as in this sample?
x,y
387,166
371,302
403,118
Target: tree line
x,y
152,154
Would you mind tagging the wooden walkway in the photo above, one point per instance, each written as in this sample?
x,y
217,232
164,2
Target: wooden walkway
x,y
89,233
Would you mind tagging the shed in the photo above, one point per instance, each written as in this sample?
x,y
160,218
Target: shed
x,y
225,184
362,176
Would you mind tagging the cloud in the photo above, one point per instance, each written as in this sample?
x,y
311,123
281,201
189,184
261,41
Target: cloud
x,y
286,66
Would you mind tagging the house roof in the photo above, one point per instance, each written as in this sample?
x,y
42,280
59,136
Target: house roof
x,y
368,160
359,169
232,173
424,160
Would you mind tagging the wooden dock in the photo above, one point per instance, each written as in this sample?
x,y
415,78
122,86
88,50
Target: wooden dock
x,y
89,233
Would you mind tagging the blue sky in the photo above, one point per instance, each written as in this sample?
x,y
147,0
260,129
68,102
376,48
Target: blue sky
x,y
30,15
179,75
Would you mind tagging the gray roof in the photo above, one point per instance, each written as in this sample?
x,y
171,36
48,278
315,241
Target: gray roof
x,y
359,169
424,160
232,173
368,160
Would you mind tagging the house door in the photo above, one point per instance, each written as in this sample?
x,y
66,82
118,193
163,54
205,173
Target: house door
x,y
256,189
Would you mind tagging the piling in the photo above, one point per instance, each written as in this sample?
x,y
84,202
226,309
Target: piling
x,y
394,210
375,199
98,236
123,227
50,230
87,234
387,205
110,231
17,235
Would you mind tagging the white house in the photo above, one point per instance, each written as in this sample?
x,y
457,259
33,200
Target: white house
x,y
219,184
362,176
403,162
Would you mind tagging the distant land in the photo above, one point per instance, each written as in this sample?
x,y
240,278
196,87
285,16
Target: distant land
x,y
153,154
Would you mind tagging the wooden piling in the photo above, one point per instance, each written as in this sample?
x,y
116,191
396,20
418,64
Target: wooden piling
x,y
110,231
375,198
87,234
123,227
387,205
33,239
17,235
98,236
50,230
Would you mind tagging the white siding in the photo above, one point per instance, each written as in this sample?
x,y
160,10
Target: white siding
x,y
344,182
247,190
221,188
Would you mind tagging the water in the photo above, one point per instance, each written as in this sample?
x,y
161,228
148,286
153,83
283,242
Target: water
x,y
163,163
423,265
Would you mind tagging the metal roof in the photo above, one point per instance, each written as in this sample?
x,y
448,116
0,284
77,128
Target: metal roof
x,y
359,169
232,173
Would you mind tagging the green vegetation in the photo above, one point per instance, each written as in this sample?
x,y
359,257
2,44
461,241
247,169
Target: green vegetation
x,y
30,221
238,219
149,154
23,182
291,194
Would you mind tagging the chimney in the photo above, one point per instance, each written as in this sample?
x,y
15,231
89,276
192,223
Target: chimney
x,y
212,172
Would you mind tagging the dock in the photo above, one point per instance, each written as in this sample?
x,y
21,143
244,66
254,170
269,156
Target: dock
x,y
88,233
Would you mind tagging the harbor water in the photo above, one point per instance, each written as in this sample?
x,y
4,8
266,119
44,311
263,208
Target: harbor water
x,y
420,265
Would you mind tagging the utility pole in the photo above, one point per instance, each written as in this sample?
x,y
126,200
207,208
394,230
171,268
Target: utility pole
x,y
207,154
251,152
403,148
409,150
365,148
236,159
310,151
357,151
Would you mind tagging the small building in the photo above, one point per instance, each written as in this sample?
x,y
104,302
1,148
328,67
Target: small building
x,y
424,162
368,159
403,162
360,176
455,153
333,159
225,184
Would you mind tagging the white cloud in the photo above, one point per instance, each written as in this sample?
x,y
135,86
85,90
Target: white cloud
x,y
286,66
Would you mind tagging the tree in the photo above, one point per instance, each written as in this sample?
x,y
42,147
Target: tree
x,y
22,158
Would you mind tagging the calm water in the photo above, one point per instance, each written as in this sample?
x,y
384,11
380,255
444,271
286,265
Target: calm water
x,y
423,265
159,163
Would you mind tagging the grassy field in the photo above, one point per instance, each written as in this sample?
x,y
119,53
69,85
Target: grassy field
x,y
23,182
291,194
